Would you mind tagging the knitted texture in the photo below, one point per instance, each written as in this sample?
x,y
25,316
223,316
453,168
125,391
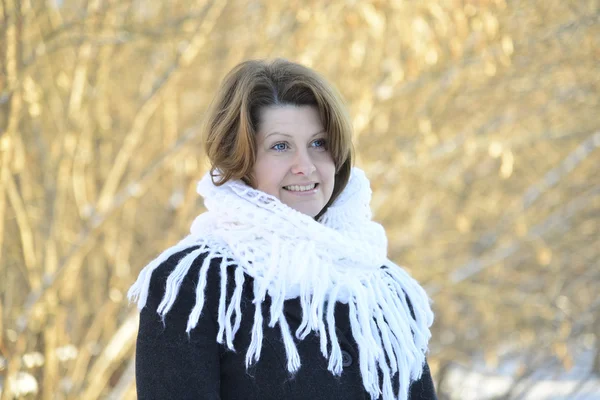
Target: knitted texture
x,y
342,257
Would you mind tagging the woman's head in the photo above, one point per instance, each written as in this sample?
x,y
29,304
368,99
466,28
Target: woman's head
x,y
281,128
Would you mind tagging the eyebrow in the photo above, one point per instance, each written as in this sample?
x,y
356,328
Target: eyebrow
x,y
288,135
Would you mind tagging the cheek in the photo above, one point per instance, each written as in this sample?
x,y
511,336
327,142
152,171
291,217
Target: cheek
x,y
328,168
328,174
267,175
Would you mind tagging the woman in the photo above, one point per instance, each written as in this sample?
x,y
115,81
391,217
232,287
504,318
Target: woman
x,y
283,289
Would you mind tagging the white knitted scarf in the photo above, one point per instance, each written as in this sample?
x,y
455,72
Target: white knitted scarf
x,y
340,258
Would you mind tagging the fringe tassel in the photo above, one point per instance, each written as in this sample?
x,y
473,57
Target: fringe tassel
x,y
401,340
197,310
416,293
237,298
138,292
293,358
234,305
305,303
253,353
318,299
312,300
222,298
277,287
335,359
385,332
322,333
174,282
364,317
366,353
388,391
413,348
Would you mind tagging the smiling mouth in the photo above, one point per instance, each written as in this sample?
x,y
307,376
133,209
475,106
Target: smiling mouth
x,y
301,188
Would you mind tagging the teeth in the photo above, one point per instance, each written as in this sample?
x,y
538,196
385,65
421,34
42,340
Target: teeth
x,y
298,188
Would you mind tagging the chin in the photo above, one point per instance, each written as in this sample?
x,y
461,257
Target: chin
x,y
310,211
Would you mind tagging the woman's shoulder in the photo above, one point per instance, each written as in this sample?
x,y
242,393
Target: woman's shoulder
x,y
187,276
386,269
178,281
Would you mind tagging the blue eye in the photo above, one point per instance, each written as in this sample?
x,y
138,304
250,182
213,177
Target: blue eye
x,y
280,146
320,143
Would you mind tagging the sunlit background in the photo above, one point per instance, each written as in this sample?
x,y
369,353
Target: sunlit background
x,y
478,123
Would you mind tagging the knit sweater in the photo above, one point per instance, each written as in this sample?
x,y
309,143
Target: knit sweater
x,y
172,365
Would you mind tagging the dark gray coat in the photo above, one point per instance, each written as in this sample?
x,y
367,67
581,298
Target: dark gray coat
x,y
171,365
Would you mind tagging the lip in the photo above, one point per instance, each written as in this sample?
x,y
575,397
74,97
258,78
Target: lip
x,y
302,184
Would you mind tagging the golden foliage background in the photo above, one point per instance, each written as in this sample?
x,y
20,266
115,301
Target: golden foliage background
x,y
477,121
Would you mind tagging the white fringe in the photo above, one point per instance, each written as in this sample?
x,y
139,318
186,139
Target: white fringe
x,y
222,298
335,359
253,353
236,300
174,282
389,340
139,290
291,351
197,310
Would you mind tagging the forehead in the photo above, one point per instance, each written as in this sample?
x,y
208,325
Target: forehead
x,y
289,120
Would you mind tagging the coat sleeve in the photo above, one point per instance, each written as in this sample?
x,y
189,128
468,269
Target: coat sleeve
x,y
169,363
423,389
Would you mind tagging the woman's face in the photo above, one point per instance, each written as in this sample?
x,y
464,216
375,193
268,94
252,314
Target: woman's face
x,y
293,162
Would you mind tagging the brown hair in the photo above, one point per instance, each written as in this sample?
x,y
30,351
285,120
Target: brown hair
x,y
233,118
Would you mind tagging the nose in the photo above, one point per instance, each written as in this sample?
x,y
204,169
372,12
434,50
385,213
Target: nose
x,y
303,164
